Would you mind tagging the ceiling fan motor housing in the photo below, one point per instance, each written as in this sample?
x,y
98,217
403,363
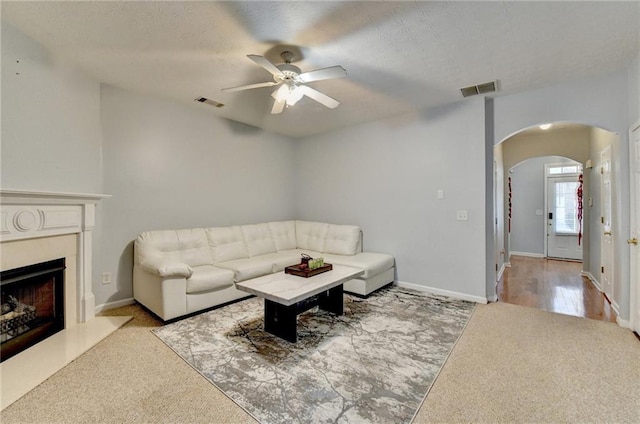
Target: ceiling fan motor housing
x,y
289,71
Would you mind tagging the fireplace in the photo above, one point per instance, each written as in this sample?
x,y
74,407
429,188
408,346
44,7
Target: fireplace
x,y
32,300
39,228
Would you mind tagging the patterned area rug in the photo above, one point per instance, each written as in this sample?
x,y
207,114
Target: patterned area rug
x,y
374,364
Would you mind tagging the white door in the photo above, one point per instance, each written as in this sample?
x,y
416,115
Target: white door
x,y
634,150
606,253
562,218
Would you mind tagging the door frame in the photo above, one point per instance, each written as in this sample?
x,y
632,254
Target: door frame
x,y
545,221
608,288
634,265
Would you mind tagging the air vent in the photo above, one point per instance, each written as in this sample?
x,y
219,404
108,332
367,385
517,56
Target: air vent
x,y
485,87
469,91
209,101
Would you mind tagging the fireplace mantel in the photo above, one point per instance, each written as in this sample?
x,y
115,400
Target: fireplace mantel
x,y
27,214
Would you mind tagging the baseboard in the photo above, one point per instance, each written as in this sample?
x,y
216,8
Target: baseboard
x,y
433,290
527,254
492,299
115,304
593,280
623,323
616,309
501,271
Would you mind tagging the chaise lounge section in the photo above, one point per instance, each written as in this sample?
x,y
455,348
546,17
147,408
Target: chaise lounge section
x,y
180,272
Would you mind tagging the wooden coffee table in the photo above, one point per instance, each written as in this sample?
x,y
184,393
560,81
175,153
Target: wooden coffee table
x,y
286,296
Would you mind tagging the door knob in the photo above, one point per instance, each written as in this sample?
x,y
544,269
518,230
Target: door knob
x,y
607,233
633,241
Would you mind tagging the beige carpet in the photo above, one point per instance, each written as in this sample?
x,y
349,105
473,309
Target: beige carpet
x,y
512,364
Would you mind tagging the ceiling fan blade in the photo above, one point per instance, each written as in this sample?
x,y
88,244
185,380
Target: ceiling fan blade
x,y
323,74
250,86
319,97
260,60
278,106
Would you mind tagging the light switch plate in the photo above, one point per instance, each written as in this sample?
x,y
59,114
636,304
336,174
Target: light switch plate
x,y
440,194
462,215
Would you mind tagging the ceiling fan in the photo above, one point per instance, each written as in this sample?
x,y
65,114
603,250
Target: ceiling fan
x,y
291,81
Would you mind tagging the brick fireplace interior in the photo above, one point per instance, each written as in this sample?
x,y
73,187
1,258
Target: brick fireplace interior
x,y
32,300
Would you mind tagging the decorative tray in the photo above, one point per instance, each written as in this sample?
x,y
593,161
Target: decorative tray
x,y
306,272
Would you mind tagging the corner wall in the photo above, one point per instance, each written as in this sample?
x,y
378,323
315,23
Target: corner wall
x,y
384,176
51,137
173,166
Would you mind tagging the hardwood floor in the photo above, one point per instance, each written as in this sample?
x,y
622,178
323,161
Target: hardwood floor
x,y
553,286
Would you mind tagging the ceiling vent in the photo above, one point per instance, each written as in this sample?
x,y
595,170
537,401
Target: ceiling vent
x,y
209,102
485,87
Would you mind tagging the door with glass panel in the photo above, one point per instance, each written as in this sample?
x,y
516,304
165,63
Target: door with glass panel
x,y
563,225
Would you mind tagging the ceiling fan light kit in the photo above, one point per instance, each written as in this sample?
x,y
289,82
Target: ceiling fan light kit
x,y
291,81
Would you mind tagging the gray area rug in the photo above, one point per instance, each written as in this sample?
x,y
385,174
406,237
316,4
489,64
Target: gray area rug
x,y
374,364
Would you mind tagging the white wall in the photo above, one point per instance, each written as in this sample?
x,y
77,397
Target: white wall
x,y
633,78
602,102
171,166
527,182
51,132
384,177
50,121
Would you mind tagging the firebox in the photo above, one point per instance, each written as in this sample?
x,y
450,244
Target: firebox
x,y
32,300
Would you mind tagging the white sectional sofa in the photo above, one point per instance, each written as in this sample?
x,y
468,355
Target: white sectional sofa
x,y
179,272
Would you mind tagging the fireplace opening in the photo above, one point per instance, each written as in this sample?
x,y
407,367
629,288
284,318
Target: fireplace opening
x,y
32,300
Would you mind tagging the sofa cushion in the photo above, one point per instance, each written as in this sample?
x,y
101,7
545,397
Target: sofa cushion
x,y
258,239
342,239
226,243
205,278
311,235
372,263
283,234
247,268
282,259
178,246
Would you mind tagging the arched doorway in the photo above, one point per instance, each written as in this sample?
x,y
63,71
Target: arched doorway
x,y
544,213
561,142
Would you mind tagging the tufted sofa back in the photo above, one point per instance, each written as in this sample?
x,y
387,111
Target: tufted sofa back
x,y
208,246
188,246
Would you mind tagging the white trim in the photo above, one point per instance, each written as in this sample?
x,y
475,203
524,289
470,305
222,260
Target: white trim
x,y
25,197
114,304
492,299
32,215
507,264
502,268
433,290
527,254
593,280
623,323
616,308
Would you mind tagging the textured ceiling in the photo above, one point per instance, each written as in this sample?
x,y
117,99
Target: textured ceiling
x,y
400,56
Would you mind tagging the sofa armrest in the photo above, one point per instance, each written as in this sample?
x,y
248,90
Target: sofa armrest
x,y
168,270
152,261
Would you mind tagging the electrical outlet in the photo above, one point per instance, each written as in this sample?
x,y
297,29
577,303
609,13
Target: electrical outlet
x,y
106,278
462,216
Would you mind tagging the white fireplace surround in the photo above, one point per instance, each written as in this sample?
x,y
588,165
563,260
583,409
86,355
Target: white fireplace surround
x,y
38,224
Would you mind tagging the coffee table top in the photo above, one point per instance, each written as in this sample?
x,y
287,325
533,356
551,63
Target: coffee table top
x,y
288,289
